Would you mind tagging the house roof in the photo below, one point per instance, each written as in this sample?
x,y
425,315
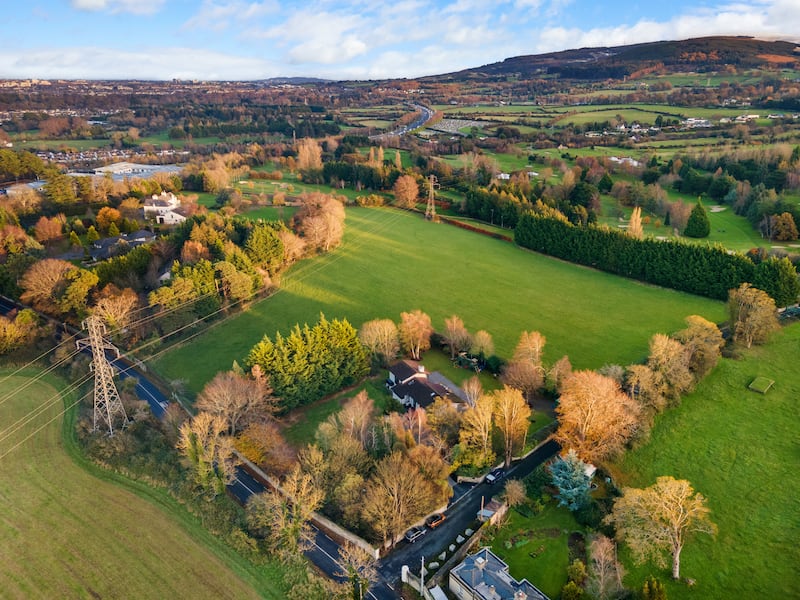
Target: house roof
x,y
403,370
488,578
421,391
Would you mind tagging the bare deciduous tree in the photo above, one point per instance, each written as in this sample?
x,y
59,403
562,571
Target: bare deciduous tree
x,y
456,336
381,338
659,519
482,344
309,154
472,389
397,495
283,516
511,416
515,492
415,332
358,567
237,399
524,376
605,571
670,359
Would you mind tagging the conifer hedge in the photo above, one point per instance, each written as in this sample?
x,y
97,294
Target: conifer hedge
x,y
704,270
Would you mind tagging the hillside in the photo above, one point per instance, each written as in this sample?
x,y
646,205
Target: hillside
x,y
699,54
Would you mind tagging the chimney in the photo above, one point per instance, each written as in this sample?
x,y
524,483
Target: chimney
x,y
520,595
421,368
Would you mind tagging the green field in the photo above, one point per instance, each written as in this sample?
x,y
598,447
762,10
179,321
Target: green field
x,y
65,533
727,228
393,261
739,449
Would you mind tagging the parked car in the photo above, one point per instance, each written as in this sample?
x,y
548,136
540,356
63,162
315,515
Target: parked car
x,y
495,476
413,533
435,520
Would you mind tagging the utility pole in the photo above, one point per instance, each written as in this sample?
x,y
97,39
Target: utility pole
x,y
422,577
430,210
107,404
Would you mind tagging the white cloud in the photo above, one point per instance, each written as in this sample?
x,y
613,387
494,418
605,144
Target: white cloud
x,y
219,15
772,19
90,4
136,7
159,63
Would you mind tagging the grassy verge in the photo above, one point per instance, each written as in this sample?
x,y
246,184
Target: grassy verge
x,y
739,449
392,261
70,529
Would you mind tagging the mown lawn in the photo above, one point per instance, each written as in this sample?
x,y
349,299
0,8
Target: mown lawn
x,y
393,261
535,548
69,530
739,449
727,228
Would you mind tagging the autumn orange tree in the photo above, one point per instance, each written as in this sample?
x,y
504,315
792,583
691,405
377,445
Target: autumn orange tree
x,y
659,519
511,415
397,495
475,435
595,418
525,371
753,315
406,191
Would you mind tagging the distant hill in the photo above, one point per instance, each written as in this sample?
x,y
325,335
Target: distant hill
x,y
616,62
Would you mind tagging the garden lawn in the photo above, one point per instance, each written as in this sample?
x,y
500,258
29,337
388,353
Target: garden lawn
x,y
393,261
545,536
739,449
65,533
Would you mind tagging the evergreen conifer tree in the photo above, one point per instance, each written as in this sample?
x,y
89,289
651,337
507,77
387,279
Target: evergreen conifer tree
x,y
698,225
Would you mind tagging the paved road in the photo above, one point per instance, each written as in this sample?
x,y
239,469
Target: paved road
x,y
426,114
325,552
460,515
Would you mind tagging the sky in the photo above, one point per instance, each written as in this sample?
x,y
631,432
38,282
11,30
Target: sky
x,y
344,39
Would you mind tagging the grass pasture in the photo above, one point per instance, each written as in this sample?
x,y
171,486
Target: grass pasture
x,y
392,261
739,449
65,533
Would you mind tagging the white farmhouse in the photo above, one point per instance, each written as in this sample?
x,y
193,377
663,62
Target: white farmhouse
x,y
164,209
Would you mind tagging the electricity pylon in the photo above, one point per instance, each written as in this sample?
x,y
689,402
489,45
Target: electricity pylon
x,y
430,210
107,404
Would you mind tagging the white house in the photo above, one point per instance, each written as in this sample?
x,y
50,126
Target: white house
x,y
483,576
164,208
409,384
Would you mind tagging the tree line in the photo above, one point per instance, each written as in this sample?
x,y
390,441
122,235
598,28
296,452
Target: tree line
x,y
704,270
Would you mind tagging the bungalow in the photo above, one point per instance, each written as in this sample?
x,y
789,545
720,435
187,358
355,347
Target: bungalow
x,y
484,576
108,247
164,208
409,384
